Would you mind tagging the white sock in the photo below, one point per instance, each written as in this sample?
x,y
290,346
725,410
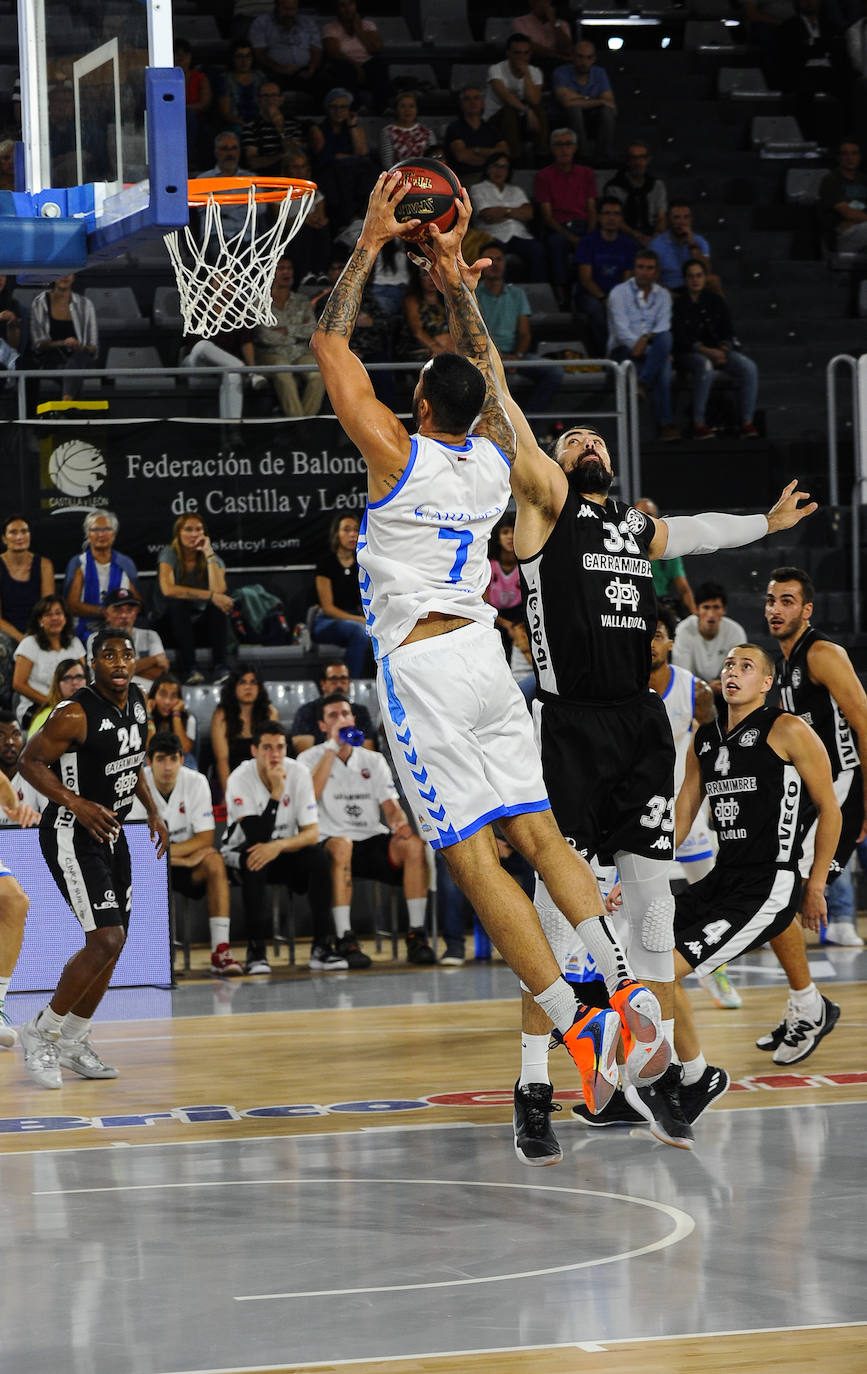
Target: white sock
x,y
417,909
693,1069
49,1023
559,1002
534,1059
75,1027
219,931
597,934
4,988
807,1002
341,920
668,1032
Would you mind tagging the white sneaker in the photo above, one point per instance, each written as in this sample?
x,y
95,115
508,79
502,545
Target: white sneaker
x,y
843,933
802,1036
41,1058
8,1033
258,966
325,959
82,1058
718,986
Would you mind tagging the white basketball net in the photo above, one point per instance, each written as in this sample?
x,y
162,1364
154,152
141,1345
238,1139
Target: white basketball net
x,y
225,283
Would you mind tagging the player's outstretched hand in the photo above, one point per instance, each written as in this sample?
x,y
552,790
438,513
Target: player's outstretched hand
x,y
97,820
814,909
787,512
23,815
448,245
159,834
380,224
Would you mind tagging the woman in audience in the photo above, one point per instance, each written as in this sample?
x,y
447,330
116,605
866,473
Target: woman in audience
x,y
50,638
244,707
100,569
340,619
352,50
504,588
63,333
191,599
405,137
504,212
426,318
11,315
24,577
341,165
68,677
239,89
166,711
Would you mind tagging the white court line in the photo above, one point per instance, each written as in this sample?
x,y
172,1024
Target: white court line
x,y
602,1344
762,1104
356,1033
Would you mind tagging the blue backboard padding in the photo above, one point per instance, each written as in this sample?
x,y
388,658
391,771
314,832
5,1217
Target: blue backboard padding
x,y
59,245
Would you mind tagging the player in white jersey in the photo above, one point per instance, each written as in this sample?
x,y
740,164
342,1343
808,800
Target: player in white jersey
x,y
13,905
183,801
457,724
354,791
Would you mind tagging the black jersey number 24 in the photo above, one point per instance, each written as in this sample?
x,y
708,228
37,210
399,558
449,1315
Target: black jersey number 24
x,y
619,537
129,741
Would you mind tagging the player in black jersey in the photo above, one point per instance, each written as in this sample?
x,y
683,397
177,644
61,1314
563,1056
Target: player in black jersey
x,y
752,773
816,681
87,760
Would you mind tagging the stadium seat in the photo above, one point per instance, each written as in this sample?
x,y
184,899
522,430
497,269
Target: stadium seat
x,y
394,29
779,136
288,696
447,31
146,362
203,702
802,184
707,34
744,83
167,309
116,308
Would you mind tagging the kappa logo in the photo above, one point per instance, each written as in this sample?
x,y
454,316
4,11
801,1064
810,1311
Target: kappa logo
x,y
796,677
748,738
584,511
705,748
662,843
106,725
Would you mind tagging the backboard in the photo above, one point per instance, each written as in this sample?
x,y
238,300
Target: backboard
x,y
103,161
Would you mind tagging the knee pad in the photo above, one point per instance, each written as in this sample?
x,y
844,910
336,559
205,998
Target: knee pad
x,y
561,936
657,927
656,966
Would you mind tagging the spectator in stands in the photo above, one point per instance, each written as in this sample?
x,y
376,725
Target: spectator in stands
x,y
426,317
266,138
68,677
341,619
604,259
371,338
703,640
63,332
513,98
287,342
639,327
225,349
199,97
237,101
504,211
287,45
227,163
506,312
272,837
245,707
470,140
311,244
565,192
550,39
811,60
583,92
843,199
306,727
762,19
7,164
677,243
11,315
196,869
167,711
504,589
643,197
25,576
191,599
121,608
355,792
11,744
50,638
704,343
353,55
100,569
669,577
406,137
340,156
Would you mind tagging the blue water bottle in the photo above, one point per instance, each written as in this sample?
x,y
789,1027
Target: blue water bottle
x,y
483,940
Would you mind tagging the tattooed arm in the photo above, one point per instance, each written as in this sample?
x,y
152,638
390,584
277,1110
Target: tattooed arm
x,y
375,430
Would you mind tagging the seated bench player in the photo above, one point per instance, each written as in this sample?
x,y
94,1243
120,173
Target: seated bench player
x,y
183,801
354,791
272,838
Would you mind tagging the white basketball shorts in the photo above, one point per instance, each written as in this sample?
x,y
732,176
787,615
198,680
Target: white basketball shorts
x,y
460,733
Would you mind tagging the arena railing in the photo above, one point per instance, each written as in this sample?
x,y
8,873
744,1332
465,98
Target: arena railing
x,y
857,390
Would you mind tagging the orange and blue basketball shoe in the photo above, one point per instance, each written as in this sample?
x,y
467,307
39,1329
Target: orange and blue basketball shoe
x,y
592,1042
646,1051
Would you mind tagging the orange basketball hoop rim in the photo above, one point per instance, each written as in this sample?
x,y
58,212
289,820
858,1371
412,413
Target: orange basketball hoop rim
x,y
236,190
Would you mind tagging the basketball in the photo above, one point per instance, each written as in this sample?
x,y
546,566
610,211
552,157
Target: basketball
x,y
77,468
432,197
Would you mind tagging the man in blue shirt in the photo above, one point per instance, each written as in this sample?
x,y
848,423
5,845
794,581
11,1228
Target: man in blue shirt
x,y
584,93
639,328
676,244
604,259
506,312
